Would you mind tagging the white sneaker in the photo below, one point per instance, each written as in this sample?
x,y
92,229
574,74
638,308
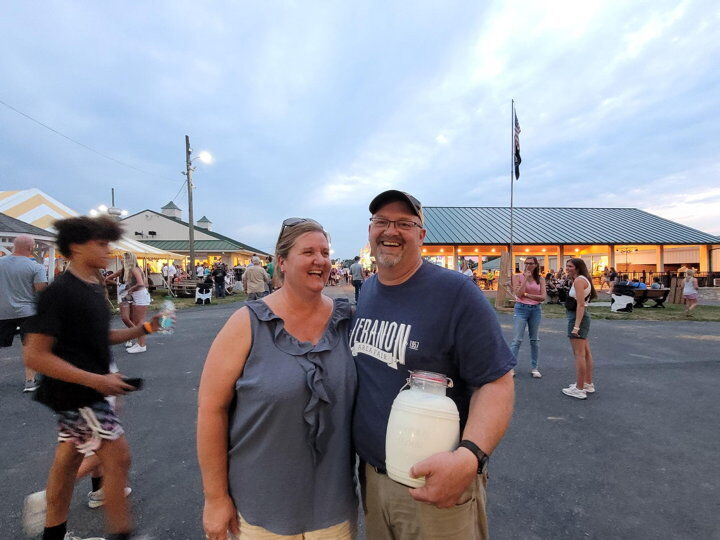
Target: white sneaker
x,y
129,344
33,514
136,349
97,498
536,374
71,536
574,391
589,388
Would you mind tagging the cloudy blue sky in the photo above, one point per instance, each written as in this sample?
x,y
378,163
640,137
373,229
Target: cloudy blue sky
x,y
311,108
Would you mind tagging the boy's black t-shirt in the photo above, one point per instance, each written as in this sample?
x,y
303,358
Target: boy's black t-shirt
x,y
76,314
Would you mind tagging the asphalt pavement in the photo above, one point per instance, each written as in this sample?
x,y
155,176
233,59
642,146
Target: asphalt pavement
x,y
636,460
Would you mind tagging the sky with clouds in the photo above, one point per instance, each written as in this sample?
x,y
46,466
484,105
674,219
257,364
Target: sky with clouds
x,y
312,108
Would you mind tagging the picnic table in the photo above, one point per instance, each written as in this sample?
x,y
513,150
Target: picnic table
x,y
185,287
659,296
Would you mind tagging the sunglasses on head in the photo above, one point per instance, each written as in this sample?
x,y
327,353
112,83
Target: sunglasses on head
x,y
291,222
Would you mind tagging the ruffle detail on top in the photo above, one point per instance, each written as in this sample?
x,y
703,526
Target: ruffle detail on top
x,y
317,416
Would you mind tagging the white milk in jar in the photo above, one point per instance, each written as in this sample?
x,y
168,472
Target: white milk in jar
x,y
423,421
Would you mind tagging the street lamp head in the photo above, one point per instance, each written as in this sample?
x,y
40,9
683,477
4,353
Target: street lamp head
x,y
124,213
205,157
103,208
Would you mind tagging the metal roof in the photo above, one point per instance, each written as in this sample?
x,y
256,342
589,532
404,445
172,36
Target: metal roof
x,y
204,220
557,225
170,206
200,245
12,225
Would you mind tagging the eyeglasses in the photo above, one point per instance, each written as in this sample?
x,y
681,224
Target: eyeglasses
x,y
400,224
529,262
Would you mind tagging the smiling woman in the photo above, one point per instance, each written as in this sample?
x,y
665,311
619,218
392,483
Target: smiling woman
x,y
285,361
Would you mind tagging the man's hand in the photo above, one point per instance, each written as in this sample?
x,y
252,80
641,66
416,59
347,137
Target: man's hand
x,y
219,517
447,475
111,385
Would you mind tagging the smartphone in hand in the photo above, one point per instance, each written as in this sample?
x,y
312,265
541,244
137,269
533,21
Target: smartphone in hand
x,y
137,382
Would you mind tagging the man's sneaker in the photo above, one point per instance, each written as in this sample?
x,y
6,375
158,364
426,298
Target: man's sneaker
x,y
536,374
97,498
30,386
129,344
136,349
33,514
574,391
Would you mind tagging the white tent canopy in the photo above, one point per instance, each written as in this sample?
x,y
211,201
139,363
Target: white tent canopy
x,y
143,250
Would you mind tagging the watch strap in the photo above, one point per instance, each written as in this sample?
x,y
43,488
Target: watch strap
x,y
481,456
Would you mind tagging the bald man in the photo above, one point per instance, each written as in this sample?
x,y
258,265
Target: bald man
x,y
21,278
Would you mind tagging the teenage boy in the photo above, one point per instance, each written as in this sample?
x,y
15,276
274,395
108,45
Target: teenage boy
x,y
68,342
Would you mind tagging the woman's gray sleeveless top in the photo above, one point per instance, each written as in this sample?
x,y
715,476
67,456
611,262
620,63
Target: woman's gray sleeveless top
x,y
290,457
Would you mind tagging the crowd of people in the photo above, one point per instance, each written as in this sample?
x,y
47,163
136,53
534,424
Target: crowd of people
x,y
296,384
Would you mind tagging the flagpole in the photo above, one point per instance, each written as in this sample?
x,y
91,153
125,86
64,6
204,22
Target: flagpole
x,y
512,183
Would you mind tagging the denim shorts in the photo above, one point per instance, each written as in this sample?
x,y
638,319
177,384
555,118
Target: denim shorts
x,y
584,325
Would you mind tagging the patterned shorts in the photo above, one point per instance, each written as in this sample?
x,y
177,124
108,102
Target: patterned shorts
x,y
86,427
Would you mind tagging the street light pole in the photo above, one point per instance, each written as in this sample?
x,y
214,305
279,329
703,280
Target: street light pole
x,y
188,174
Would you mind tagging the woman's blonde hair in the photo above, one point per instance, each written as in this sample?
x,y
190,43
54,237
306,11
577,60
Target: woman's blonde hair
x,y
288,236
690,273
129,263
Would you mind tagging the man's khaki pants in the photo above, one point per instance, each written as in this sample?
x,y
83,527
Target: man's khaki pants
x,y
392,514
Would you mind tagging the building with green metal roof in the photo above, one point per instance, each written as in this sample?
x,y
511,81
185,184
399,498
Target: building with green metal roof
x,y
627,239
166,228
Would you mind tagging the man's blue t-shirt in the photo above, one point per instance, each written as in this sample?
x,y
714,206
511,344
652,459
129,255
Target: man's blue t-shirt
x,y
439,321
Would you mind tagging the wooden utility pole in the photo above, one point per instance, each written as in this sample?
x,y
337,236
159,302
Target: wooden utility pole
x,y
191,222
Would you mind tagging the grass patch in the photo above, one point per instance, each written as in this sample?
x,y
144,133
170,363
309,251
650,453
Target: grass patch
x,y
158,297
672,312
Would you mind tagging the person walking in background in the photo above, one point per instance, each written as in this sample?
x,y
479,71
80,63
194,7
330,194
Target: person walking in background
x,y
270,272
358,276
529,289
578,317
280,463
21,278
218,275
255,279
124,300
137,296
690,292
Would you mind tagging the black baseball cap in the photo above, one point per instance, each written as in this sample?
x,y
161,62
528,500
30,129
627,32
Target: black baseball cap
x,y
392,195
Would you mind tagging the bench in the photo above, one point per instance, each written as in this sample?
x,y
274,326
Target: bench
x,y
643,295
185,287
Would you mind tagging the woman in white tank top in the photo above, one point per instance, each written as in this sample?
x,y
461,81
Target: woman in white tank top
x,y
581,292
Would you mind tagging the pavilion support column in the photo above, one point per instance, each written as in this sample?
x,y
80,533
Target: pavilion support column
x,y
660,259
611,255
51,264
704,258
561,258
454,264
547,262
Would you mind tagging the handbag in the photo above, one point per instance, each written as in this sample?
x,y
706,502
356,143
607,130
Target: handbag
x,y
570,303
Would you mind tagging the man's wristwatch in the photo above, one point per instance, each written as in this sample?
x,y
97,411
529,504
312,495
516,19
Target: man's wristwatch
x,y
481,456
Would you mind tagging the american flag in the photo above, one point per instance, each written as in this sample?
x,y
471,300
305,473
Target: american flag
x,y
516,144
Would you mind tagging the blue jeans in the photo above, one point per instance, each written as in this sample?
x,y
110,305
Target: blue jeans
x,y
220,290
526,315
